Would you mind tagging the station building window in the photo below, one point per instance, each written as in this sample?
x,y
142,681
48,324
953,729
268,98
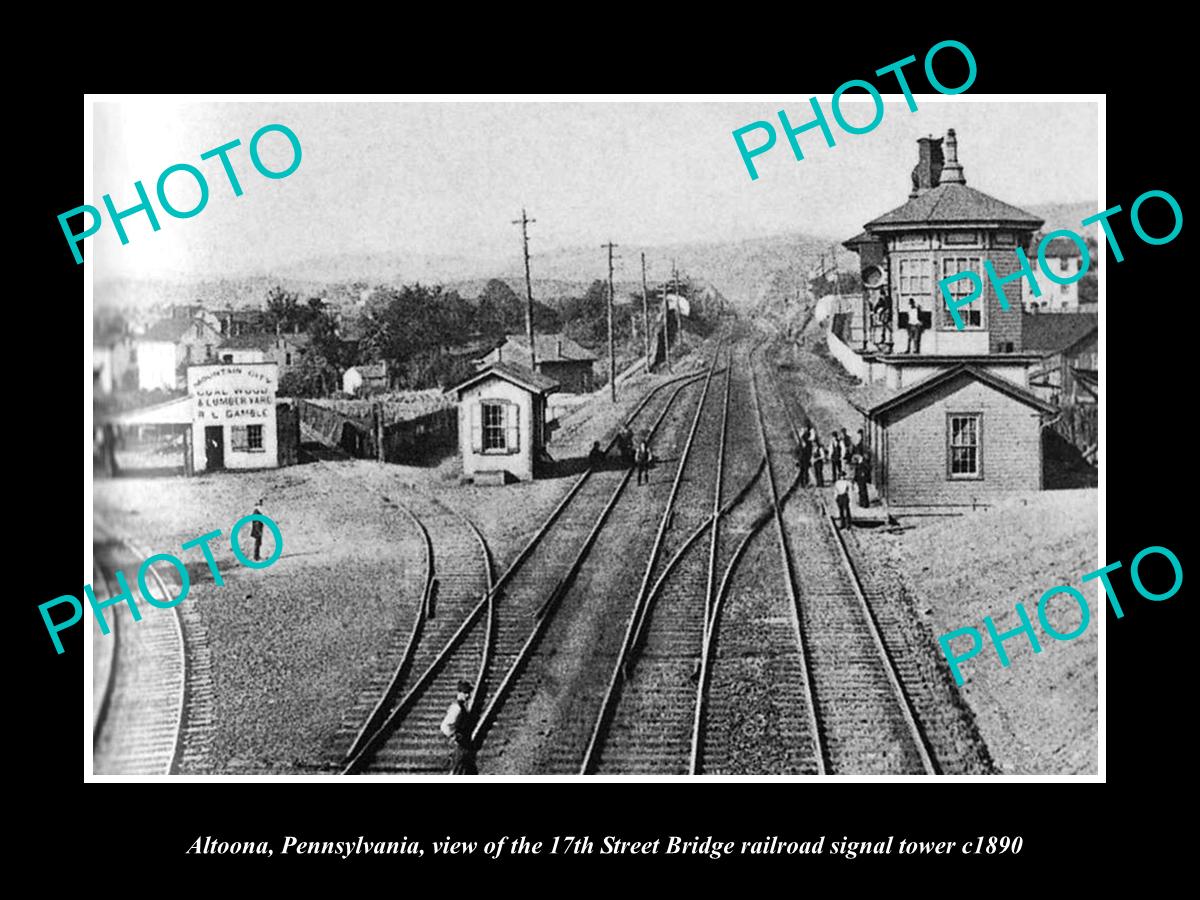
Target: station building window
x,y
964,445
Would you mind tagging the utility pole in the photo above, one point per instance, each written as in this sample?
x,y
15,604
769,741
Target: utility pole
x,y
612,359
645,313
524,222
666,326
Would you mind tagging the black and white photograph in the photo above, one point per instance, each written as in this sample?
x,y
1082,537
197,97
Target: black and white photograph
x,y
594,437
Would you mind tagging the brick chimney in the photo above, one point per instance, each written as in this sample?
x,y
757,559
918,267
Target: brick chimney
x,y
952,172
927,174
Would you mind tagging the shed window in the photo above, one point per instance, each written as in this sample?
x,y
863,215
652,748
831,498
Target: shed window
x,y
495,427
246,438
965,445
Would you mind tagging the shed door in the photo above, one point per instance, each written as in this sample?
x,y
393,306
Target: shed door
x,y
513,428
476,427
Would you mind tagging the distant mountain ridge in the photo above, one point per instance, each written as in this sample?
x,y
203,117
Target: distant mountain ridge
x,y
747,272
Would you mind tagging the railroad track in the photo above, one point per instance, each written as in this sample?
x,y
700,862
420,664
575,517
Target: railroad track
x,y
862,717
546,722
141,723
458,573
494,639
785,682
645,721
754,710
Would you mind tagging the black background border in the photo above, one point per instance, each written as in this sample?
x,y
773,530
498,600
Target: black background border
x,y
1148,454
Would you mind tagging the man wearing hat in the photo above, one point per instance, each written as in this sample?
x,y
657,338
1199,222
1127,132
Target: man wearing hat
x,y
256,530
458,725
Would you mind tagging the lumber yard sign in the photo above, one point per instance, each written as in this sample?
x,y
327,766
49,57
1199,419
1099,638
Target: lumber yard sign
x,y
997,639
896,68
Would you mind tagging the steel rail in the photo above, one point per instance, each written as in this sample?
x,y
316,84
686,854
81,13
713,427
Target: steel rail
x,y
633,627
354,761
181,702
545,612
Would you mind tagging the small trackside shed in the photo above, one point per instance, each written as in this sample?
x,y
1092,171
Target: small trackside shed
x,y
502,420
960,435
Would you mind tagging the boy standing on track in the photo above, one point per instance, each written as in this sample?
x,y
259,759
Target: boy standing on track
x,y
458,725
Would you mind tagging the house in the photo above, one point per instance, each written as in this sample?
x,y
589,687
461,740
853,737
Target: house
x,y
168,347
365,378
962,435
236,322
1069,374
559,358
229,419
1065,259
114,363
956,418
1069,344
285,350
502,421
234,416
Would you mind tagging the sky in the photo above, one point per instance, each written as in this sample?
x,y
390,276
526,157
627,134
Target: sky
x,y
446,178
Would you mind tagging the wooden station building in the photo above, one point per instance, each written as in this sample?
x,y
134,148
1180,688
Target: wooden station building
x,y
502,422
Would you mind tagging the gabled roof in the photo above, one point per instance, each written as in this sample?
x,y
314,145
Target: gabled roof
x,y
171,330
263,341
248,342
1052,332
521,376
954,204
1063,246
550,348
169,412
859,240
879,405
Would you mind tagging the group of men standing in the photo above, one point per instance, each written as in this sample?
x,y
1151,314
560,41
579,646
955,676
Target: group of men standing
x,y
849,460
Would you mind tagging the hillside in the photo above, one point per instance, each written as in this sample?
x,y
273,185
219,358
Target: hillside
x,y
1065,215
754,274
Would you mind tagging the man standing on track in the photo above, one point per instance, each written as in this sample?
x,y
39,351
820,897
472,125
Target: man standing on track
x,y
804,456
256,530
458,725
862,470
841,492
643,457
